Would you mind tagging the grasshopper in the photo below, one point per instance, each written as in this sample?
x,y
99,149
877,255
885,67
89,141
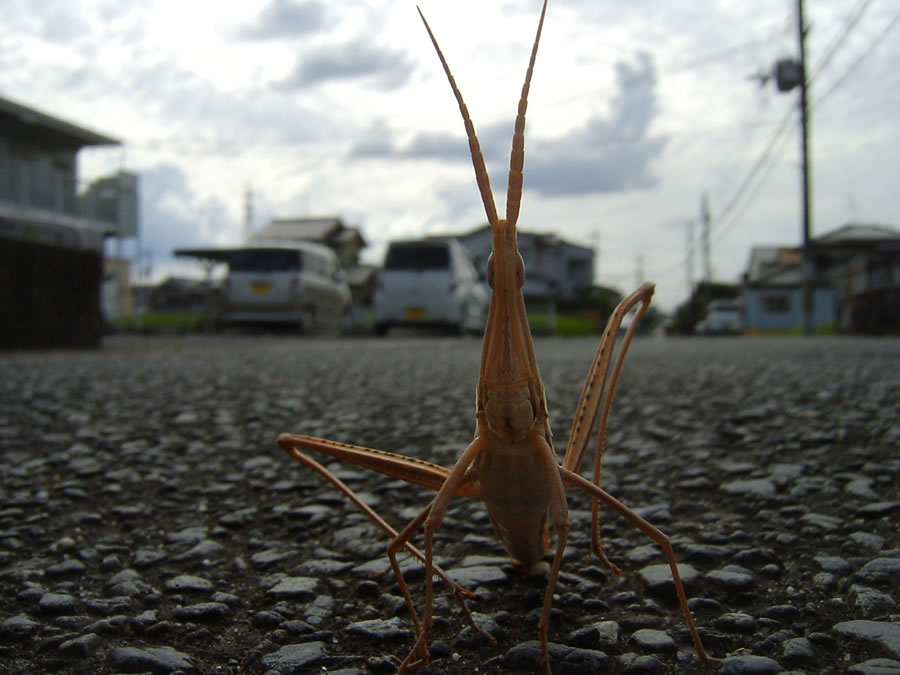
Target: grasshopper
x,y
511,464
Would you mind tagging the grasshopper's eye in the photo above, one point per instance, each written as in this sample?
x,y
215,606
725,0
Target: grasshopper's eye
x,y
520,270
490,271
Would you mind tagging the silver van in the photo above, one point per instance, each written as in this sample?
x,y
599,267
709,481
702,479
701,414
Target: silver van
x,y
723,317
285,282
429,282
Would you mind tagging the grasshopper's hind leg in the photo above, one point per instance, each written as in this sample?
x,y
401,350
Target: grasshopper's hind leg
x,y
596,399
573,479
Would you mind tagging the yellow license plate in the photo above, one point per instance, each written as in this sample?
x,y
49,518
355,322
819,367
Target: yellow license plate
x,y
260,289
414,314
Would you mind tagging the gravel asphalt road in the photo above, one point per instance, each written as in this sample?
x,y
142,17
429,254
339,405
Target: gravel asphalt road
x,y
148,522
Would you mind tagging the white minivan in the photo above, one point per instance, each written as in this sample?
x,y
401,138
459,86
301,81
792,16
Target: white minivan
x,y
285,282
429,282
723,317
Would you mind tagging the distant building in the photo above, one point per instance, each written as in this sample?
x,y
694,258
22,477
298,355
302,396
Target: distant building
x,y
178,294
51,256
862,263
113,200
556,269
856,282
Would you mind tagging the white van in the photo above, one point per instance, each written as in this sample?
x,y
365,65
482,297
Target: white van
x,y
429,282
285,282
723,317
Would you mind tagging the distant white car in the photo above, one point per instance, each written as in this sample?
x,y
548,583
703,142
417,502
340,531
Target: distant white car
x,y
429,282
723,317
285,282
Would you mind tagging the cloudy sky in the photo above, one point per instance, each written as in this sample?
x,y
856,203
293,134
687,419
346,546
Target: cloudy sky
x,y
636,109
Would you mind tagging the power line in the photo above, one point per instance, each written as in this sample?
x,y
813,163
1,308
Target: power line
x,y
859,59
851,21
758,165
710,58
766,168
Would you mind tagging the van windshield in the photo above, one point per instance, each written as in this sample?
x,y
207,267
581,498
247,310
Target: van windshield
x,y
265,260
418,257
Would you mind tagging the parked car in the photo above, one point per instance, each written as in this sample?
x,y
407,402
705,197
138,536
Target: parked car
x,y
291,282
430,282
723,317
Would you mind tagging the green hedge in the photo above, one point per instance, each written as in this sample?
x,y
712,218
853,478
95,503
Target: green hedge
x,y
566,326
159,322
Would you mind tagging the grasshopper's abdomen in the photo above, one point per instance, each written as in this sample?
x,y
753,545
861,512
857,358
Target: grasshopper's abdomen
x,y
514,487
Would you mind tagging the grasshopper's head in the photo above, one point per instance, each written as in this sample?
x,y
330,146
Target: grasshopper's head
x,y
510,396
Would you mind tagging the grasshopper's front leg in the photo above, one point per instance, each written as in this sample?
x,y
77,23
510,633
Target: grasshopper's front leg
x,y
431,517
414,471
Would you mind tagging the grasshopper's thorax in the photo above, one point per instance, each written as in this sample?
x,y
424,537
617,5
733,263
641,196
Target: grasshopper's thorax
x,y
510,396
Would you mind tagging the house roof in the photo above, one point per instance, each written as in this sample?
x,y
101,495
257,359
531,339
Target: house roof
x,y
36,118
864,235
766,261
861,231
324,230
308,229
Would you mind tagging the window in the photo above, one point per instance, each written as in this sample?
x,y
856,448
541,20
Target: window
x,y
265,260
418,257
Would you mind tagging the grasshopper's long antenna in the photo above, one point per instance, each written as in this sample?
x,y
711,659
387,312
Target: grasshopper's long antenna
x,y
481,174
517,158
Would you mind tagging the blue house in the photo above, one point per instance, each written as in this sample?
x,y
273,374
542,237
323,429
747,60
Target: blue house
x,y
772,294
855,286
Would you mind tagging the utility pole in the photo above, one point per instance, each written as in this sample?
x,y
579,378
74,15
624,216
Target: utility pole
x,y
705,220
595,242
804,163
690,258
788,74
